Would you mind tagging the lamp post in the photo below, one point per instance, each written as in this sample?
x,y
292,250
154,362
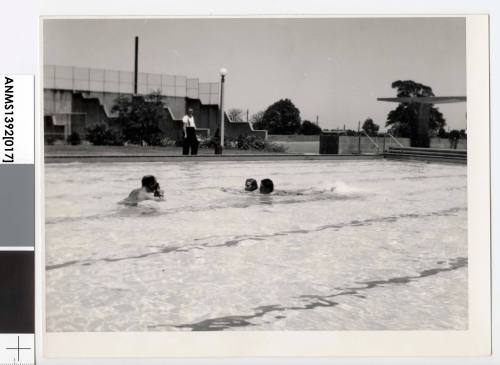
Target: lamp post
x,y
223,73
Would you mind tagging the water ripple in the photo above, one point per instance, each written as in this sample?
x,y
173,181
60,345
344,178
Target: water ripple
x,y
236,240
310,301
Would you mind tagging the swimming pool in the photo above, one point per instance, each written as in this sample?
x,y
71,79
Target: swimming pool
x,y
341,245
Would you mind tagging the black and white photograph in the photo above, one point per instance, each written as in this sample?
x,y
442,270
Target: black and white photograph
x,y
255,174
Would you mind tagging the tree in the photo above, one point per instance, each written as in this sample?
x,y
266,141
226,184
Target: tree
x,y
308,128
282,117
404,120
256,120
442,133
140,117
236,115
74,139
370,127
453,137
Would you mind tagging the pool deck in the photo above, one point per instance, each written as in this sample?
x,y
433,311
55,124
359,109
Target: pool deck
x,y
204,157
90,154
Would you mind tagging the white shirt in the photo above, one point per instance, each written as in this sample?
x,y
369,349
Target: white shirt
x,y
188,121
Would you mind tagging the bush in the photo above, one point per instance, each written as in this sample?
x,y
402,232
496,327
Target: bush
x,y
157,139
453,137
74,139
274,147
49,139
208,142
249,141
167,142
252,142
243,142
102,135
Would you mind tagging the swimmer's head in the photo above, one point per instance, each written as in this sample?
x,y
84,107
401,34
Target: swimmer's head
x,y
251,185
266,186
149,182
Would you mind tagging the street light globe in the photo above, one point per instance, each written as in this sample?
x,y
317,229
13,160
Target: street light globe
x,y
223,72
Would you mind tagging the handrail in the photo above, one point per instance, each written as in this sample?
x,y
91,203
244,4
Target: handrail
x,y
394,138
371,139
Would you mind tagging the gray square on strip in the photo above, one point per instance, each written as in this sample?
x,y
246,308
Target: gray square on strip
x,y
17,205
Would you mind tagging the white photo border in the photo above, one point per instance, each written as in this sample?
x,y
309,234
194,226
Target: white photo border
x,y
476,341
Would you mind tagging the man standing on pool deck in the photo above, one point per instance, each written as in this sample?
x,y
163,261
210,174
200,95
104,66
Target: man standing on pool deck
x,y
189,129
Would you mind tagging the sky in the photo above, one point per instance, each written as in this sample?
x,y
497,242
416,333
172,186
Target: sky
x,y
331,68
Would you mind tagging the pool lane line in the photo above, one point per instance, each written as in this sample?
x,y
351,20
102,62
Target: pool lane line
x,y
238,239
314,301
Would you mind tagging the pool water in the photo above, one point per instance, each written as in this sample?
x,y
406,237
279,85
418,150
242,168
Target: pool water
x,y
340,245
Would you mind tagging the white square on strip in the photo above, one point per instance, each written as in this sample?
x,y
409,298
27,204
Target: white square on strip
x,y
17,348
17,112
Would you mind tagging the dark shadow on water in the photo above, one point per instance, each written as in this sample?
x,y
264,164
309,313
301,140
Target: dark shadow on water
x,y
236,240
310,301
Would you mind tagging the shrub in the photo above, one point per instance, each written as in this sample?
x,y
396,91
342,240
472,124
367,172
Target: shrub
x,y
243,142
102,135
167,142
208,142
49,139
74,139
453,137
157,139
250,141
274,147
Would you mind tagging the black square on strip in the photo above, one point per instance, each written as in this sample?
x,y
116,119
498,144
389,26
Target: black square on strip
x,y
17,292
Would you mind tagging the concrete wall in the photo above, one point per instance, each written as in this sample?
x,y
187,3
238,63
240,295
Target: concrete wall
x,y
353,144
84,109
293,138
444,143
57,101
346,145
91,107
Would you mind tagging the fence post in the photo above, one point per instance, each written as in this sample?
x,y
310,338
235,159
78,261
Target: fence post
x,y
359,139
55,87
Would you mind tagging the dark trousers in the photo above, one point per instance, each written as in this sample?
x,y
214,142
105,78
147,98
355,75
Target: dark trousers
x,y
190,141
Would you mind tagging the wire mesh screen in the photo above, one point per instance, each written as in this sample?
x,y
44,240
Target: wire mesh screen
x,y
101,80
209,92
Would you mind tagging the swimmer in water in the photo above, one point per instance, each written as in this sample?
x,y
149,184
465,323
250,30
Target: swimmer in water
x,y
266,186
150,190
251,185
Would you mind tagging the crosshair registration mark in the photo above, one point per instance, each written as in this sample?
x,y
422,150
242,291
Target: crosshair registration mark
x,y
18,348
